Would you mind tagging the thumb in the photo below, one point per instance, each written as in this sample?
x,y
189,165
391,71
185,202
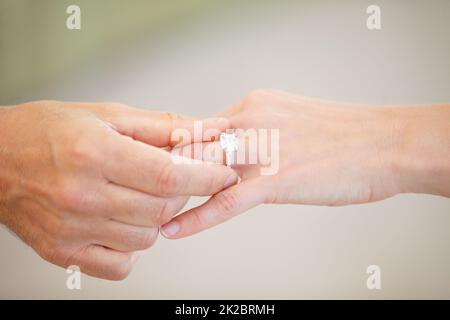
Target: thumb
x,y
219,208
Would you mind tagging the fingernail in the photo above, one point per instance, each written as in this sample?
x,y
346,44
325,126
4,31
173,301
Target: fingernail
x,y
170,229
231,180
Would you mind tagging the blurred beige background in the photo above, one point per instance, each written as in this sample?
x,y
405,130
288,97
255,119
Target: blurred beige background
x,y
197,57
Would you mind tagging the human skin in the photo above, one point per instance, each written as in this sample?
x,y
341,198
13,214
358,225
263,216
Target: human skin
x,y
90,184
331,154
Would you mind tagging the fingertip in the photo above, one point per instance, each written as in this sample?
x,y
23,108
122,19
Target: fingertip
x,y
170,230
231,180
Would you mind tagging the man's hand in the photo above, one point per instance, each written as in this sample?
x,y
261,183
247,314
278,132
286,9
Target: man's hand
x,y
330,154
90,184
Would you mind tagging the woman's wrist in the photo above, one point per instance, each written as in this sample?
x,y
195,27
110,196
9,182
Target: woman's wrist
x,y
421,149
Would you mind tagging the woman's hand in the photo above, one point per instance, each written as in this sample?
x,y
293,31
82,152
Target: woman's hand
x,y
329,154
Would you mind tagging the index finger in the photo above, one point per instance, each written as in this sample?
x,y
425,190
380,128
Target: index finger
x,y
154,127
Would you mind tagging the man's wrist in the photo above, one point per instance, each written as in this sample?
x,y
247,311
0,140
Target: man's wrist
x,y
4,115
5,112
5,120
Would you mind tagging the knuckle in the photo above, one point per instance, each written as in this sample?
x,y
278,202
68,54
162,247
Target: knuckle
x,y
170,181
140,240
255,97
172,117
121,270
227,202
82,152
149,238
163,213
197,221
52,253
48,253
73,199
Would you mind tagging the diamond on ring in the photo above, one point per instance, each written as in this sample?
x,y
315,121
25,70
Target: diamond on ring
x,y
230,144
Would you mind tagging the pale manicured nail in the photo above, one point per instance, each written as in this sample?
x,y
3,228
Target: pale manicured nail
x,y
233,179
170,229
